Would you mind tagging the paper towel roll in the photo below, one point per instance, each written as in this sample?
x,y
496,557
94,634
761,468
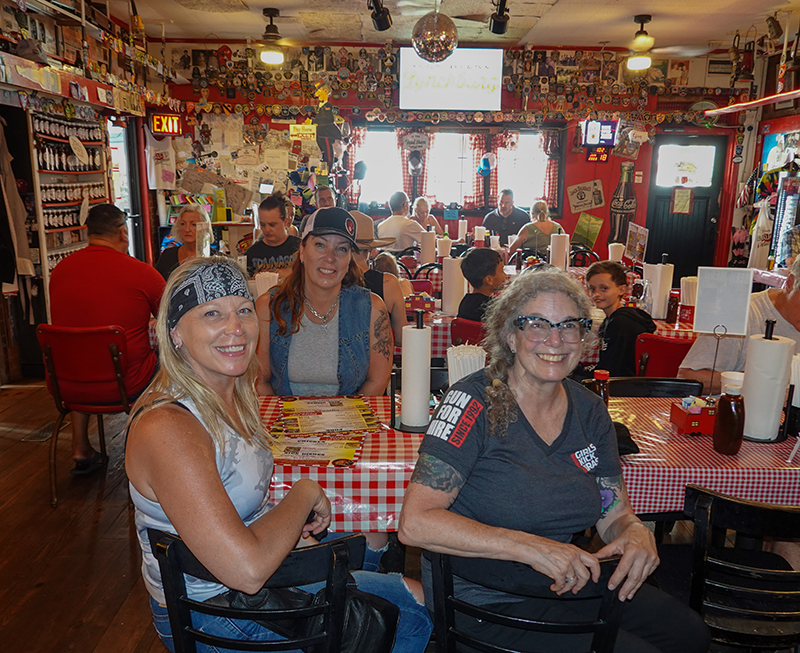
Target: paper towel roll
x,y
615,251
454,286
462,229
427,247
660,278
688,291
480,233
415,377
443,247
766,378
559,250
265,281
795,380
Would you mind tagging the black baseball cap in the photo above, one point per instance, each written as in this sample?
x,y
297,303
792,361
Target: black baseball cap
x,y
332,221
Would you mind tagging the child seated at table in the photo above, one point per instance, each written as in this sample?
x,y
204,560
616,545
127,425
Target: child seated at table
x,y
607,285
483,268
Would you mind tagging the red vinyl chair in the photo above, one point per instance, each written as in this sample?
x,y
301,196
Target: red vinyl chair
x,y
422,285
84,368
466,332
660,356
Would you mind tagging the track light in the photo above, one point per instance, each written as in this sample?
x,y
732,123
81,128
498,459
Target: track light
x,y
498,21
381,18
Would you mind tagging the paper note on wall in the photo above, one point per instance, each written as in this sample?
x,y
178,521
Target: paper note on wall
x,y
192,181
246,156
277,159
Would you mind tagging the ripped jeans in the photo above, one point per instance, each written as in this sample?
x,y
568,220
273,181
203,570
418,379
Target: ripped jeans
x,y
413,629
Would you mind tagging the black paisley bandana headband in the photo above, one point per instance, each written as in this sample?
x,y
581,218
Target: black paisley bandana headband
x,y
207,282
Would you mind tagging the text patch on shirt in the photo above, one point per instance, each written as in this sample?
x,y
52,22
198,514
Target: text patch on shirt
x,y
586,458
455,417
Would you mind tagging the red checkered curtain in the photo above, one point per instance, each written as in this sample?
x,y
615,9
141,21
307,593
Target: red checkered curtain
x,y
549,143
473,193
508,141
401,133
357,136
424,176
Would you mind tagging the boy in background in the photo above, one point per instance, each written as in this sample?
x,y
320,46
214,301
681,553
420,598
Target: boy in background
x,y
483,268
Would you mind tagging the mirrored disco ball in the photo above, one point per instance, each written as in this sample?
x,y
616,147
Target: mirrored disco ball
x,y
435,37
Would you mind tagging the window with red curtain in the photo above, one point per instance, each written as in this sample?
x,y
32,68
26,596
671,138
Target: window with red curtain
x,y
524,167
355,146
384,171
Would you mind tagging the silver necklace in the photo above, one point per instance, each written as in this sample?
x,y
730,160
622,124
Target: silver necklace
x,y
323,318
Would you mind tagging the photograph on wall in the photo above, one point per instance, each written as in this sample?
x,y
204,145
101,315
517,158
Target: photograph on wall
x,y
679,72
778,150
628,143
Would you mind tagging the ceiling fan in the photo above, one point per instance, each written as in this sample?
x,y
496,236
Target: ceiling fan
x,y
642,50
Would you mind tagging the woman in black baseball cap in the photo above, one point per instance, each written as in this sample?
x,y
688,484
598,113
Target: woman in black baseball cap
x,y
321,333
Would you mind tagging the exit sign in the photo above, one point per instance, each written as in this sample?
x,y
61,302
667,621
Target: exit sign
x,y
165,124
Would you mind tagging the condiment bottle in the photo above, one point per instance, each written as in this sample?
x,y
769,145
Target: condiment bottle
x,y
672,306
729,421
519,260
601,384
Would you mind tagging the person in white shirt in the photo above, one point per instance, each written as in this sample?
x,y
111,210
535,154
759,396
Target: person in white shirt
x,y
399,226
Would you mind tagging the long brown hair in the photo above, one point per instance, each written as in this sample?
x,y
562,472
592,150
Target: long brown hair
x,y
291,293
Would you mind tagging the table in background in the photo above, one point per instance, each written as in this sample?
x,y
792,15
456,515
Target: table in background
x,y
440,334
656,476
368,496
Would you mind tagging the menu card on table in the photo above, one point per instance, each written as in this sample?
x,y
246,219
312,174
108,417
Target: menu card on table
x,y
326,431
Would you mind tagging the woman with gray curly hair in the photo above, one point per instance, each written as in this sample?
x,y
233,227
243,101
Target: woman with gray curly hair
x,y
518,458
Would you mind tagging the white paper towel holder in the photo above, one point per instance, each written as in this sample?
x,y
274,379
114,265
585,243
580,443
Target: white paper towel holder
x,y
396,422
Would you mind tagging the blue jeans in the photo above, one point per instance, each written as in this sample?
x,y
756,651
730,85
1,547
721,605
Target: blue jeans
x,y
413,629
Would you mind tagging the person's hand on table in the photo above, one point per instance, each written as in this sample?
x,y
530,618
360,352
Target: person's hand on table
x,y
637,546
321,518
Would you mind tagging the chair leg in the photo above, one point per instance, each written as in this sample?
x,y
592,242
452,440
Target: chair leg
x,y
101,434
53,445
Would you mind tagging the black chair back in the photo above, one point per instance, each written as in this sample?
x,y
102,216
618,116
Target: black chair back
x,y
645,386
515,578
581,256
323,562
748,597
424,271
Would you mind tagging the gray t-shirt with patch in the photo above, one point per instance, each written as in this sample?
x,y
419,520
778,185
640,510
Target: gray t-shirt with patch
x,y
518,481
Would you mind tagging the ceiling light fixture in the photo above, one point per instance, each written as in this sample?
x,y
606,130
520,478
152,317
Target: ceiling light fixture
x,y
498,21
381,18
639,58
774,28
435,36
271,54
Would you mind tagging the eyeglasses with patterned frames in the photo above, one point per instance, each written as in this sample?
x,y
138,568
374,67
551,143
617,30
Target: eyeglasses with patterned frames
x,y
537,329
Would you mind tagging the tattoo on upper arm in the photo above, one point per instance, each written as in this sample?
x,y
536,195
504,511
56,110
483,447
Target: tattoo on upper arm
x,y
437,475
383,337
610,491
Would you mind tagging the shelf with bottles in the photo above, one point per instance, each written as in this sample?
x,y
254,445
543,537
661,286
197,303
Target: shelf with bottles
x,y
59,159
57,139
62,250
59,218
50,126
66,239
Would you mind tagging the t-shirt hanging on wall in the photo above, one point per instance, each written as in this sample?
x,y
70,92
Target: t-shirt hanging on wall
x,y
160,163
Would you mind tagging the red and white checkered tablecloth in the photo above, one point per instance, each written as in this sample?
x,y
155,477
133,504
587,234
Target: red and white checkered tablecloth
x,y
440,334
656,476
368,496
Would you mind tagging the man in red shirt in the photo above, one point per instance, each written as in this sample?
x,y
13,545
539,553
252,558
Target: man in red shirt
x,y
102,285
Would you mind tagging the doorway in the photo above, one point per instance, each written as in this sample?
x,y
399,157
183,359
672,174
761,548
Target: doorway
x,y
683,203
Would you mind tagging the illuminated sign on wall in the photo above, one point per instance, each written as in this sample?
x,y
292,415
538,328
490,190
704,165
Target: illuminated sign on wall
x,y
165,124
598,154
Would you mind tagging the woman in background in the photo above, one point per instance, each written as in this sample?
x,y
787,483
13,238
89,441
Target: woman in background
x,y
386,263
424,217
184,231
536,234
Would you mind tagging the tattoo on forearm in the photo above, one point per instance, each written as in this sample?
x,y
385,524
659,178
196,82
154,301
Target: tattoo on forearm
x,y
610,489
438,475
383,337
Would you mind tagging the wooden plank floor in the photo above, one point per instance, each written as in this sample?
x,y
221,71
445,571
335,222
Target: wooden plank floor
x,y
70,577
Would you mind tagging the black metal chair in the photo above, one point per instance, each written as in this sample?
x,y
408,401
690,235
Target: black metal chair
x,y
645,386
581,256
408,251
424,271
526,252
748,597
323,562
514,578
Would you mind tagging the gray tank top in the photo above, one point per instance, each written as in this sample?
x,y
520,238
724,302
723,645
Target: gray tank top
x,y
314,358
245,471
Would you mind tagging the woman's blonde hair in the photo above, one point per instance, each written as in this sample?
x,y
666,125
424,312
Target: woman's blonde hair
x,y
385,262
499,323
177,379
540,210
189,208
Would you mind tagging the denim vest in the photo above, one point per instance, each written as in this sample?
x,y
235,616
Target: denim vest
x,y
355,308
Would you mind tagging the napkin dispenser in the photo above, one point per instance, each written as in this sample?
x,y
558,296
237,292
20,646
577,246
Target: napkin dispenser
x,y
701,423
421,301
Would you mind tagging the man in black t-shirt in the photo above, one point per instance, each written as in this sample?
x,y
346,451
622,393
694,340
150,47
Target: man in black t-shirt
x,y
276,250
506,220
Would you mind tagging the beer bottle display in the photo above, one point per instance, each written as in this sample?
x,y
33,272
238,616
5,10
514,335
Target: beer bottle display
x,y
623,205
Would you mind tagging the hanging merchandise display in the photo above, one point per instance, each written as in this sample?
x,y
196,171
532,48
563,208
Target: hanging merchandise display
x,y
760,237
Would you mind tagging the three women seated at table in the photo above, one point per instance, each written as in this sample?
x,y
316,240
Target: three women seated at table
x,y
553,444
199,462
